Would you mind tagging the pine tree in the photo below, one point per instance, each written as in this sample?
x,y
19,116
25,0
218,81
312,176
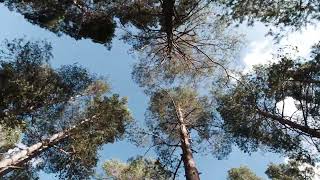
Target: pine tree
x,y
78,19
175,38
183,45
60,112
295,14
31,83
291,170
136,168
258,112
242,173
181,121
67,151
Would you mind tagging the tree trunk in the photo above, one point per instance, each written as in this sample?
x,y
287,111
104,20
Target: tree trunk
x,y
190,168
23,156
311,132
167,26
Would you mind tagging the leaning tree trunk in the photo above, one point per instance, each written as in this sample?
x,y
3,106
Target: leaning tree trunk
x,y
23,156
312,132
190,168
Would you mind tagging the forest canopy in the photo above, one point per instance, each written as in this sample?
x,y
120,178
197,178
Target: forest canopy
x,y
201,100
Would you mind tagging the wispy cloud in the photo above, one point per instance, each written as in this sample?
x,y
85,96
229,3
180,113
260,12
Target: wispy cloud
x,y
262,50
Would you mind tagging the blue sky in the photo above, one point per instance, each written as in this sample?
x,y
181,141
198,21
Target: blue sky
x,y
116,65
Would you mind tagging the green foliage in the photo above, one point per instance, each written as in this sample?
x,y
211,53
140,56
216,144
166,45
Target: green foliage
x,y
44,101
242,173
26,172
254,111
8,138
76,156
289,13
293,170
199,119
185,46
78,19
162,109
136,169
32,85
173,39
141,14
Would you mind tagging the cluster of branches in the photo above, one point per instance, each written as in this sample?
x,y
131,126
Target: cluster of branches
x,y
52,108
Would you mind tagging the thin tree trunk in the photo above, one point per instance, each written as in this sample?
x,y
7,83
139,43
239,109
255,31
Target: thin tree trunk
x,y
190,168
168,15
23,156
307,130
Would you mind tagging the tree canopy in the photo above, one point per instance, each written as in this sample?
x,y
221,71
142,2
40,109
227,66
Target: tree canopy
x,y
31,84
78,19
136,168
8,138
291,170
185,45
42,101
173,38
293,14
179,120
63,116
242,173
276,105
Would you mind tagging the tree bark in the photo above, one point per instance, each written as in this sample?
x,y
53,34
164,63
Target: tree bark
x,y
167,26
307,130
23,156
190,168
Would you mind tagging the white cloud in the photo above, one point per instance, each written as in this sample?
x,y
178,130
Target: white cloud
x,y
288,108
262,51
259,52
303,40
